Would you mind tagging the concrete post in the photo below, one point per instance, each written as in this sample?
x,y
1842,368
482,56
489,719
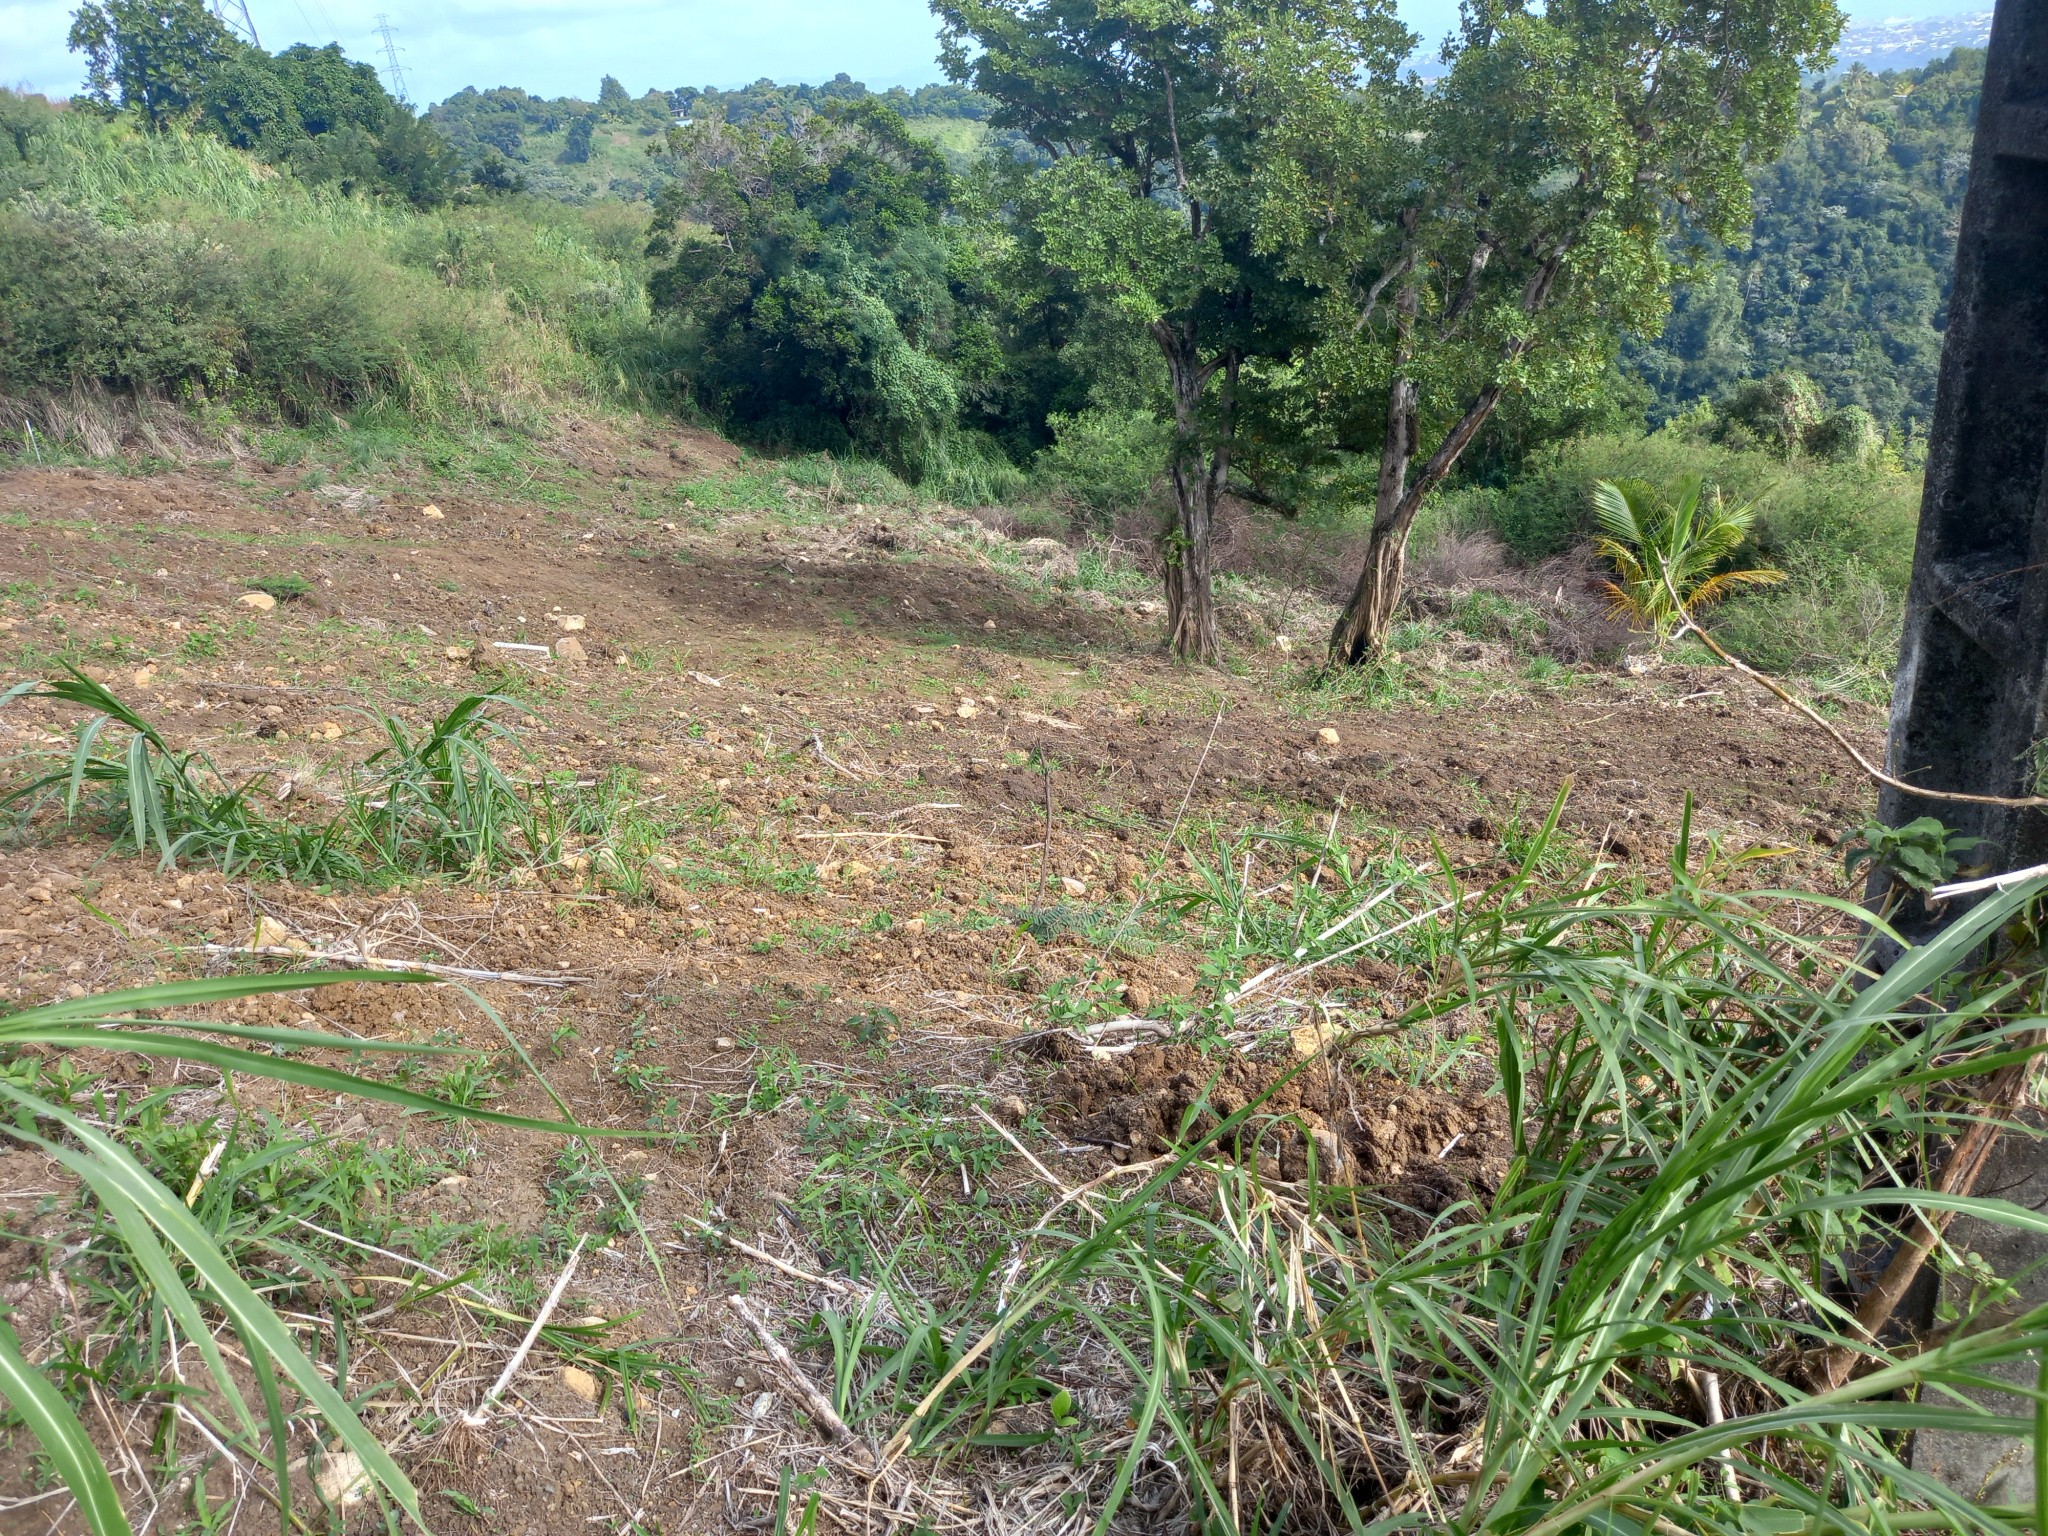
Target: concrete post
x,y
1971,709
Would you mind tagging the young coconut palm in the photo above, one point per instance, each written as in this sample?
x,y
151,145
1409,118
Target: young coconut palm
x,y
1665,551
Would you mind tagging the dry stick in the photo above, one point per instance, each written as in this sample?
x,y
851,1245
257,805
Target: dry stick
x,y
366,962
902,837
1045,856
1965,1166
477,1419
841,1287
818,746
1686,625
819,1404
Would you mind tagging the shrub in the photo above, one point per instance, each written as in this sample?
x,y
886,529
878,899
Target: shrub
x,y
1104,459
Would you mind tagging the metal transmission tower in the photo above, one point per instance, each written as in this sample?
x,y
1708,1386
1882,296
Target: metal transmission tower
x,y
235,15
1971,710
391,65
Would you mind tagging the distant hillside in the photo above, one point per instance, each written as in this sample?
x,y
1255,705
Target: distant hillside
x,y
579,151
1882,45
1847,274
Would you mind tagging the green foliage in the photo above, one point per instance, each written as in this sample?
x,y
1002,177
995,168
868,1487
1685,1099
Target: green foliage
x,y
433,803
1104,459
1697,1091
155,56
1846,269
178,1264
170,263
831,299
1666,548
1921,854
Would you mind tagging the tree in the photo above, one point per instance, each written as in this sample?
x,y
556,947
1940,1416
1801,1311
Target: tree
x,y
576,149
152,55
612,100
830,294
1664,550
1496,232
1154,115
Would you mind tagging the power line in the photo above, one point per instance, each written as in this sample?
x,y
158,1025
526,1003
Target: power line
x,y
391,52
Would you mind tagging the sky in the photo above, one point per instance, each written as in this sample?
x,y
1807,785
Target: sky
x,y
556,48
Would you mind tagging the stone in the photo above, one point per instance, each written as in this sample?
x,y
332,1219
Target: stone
x,y
1072,886
582,1383
272,934
1329,737
432,514
342,1479
262,602
967,709
569,623
569,648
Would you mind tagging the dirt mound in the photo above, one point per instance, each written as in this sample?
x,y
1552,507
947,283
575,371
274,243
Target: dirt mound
x,y
1423,1148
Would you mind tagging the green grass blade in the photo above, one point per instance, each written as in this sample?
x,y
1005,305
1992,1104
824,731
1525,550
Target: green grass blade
x,y
62,1438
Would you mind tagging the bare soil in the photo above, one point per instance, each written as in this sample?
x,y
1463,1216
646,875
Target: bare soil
x,y
876,693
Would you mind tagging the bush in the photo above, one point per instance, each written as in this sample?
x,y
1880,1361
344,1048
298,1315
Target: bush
x,y
1105,459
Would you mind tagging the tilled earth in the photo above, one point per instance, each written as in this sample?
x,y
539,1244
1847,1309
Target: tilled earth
x,y
896,734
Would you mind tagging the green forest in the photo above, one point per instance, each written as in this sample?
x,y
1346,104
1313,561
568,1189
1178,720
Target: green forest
x,y
904,278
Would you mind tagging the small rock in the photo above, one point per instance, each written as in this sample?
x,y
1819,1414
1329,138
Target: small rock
x,y
326,730
453,1181
458,653
988,623
1072,886
1309,1039
581,1382
570,622
39,893
914,926
271,934
1282,644
853,869
1479,829
725,1043
262,602
432,514
1329,738
1010,1109
967,709
273,711
146,677
341,1479
568,648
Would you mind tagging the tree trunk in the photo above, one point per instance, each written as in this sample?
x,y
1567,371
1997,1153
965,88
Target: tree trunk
x,y
1187,545
1362,629
1363,626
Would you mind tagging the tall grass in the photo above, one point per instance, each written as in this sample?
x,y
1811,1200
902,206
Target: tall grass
x,y
171,263
1713,1110
192,1288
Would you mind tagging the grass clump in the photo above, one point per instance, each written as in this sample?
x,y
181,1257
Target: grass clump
x,y
433,801
1713,1107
